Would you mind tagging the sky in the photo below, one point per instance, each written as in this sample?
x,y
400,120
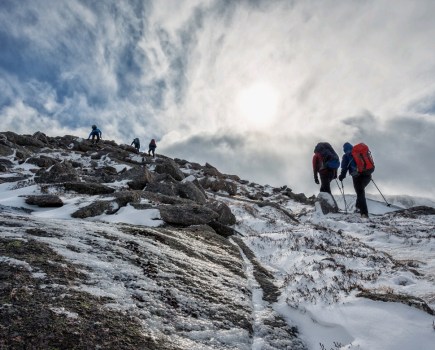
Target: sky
x,y
248,86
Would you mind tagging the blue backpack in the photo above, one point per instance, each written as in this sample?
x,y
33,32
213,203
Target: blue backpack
x,y
329,156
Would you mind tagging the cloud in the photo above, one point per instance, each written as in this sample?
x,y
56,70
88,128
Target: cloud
x,y
178,71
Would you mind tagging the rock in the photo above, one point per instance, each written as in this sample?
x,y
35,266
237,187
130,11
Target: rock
x,y
5,164
42,161
59,172
168,166
187,214
222,230
45,201
161,198
124,197
210,170
139,176
217,185
188,190
108,206
41,137
95,209
88,188
23,140
226,217
327,203
168,189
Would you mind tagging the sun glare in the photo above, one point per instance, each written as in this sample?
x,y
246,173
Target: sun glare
x,y
258,104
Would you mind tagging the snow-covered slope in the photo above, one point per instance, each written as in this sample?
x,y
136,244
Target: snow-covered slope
x,y
124,271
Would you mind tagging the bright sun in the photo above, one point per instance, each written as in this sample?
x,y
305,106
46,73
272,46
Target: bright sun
x,y
258,104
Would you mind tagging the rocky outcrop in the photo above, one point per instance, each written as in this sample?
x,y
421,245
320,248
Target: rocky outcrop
x,y
42,161
109,206
5,164
187,189
217,185
91,189
187,215
23,140
60,172
45,201
225,216
168,166
139,177
167,189
326,203
96,208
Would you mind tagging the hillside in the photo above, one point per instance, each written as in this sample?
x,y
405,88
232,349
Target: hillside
x,y
102,247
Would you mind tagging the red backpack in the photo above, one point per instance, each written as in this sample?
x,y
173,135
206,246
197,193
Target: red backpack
x,y
363,159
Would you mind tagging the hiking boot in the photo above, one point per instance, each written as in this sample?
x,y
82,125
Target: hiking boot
x,y
364,216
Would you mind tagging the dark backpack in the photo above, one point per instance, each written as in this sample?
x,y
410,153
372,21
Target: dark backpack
x,y
363,159
329,156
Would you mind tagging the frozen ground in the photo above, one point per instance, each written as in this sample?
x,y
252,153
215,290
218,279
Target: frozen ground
x,y
332,271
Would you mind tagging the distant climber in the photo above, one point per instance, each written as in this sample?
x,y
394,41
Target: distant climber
x,y
136,144
325,162
95,133
152,147
359,162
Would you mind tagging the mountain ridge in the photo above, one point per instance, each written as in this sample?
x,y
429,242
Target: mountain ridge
x,y
114,249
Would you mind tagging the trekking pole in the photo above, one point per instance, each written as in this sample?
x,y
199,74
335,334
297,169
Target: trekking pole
x,y
388,204
342,193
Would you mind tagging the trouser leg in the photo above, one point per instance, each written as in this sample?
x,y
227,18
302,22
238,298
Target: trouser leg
x,y
360,183
325,183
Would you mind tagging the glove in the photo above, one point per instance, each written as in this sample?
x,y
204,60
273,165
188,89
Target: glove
x,y
341,177
316,180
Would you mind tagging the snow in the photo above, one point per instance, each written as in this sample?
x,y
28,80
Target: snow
x,y
315,264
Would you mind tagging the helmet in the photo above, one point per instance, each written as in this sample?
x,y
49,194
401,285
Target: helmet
x,y
94,127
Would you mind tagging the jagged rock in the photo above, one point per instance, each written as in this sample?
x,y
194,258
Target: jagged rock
x,y
210,170
95,209
60,172
327,203
5,164
226,217
42,161
161,198
45,201
166,178
217,185
41,137
300,197
139,176
124,197
187,215
222,229
168,166
6,147
88,188
256,196
23,140
188,190
233,177
168,189
5,151
108,206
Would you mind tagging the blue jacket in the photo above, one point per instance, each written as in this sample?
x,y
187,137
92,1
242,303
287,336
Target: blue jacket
x,y
95,132
347,162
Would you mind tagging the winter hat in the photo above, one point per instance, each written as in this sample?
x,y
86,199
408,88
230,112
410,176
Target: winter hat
x,y
347,147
